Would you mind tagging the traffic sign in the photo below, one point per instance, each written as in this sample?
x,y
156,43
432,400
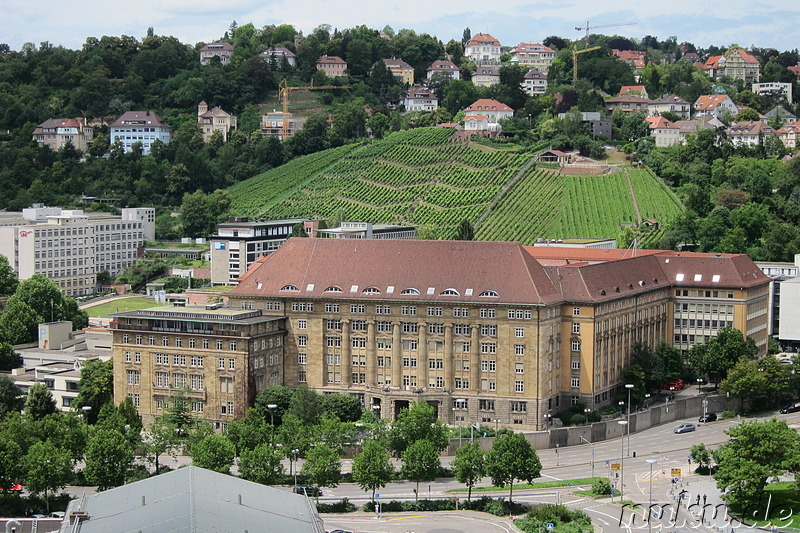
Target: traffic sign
x,y
615,466
550,526
377,495
675,472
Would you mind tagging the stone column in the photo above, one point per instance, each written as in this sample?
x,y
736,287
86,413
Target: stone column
x,y
475,358
448,356
397,355
422,356
372,356
347,357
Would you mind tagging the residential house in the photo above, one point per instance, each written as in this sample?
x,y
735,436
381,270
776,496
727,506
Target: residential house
x,y
534,83
332,66
737,64
420,99
483,48
691,57
714,104
480,123
697,124
57,132
554,156
278,54
446,66
224,51
795,69
775,89
669,103
637,90
628,103
486,76
780,113
533,55
215,119
598,125
749,133
143,127
634,58
492,109
368,230
400,70
665,132
272,124
788,134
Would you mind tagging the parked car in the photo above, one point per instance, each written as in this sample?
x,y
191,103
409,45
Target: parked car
x,y
57,514
791,408
675,384
308,491
685,428
708,417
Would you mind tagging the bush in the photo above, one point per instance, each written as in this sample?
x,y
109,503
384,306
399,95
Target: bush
x,y
344,506
601,486
497,507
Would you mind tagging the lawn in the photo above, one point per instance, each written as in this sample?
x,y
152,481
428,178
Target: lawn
x,y
784,501
539,485
119,306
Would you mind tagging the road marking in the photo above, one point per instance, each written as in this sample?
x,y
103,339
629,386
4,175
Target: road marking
x,y
406,517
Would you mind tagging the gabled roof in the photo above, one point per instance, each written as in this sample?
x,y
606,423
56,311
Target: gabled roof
x,y
216,111
147,118
534,74
712,62
195,500
443,64
483,38
531,48
626,89
750,127
629,98
660,123
278,51
746,56
53,123
688,269
331,59
669,99
487,104
216,47
708,102
420,92
397,63
492,272
487,70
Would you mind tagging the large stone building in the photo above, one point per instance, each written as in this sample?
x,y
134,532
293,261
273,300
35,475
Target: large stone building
x,y
143,127
58,132
221,357
483,327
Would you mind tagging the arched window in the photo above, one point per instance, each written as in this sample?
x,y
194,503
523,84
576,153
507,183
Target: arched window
x,y
333,288
290,288
371,290
449,292
409,292
489,294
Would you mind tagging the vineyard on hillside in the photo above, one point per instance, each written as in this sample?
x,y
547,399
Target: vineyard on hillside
x,y
418,177
545,204
423,177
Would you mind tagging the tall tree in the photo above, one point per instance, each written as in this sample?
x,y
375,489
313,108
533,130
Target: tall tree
x,y
512,458
160,439
40,402
372,468
214,452
11,397
261,464
9,359
322,467
47,469
420,463
465,232
95,388
755,453
8,278
109,457
306,405
469,466
419,422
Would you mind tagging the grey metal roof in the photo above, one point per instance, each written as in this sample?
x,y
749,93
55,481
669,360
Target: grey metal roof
x,y
195,500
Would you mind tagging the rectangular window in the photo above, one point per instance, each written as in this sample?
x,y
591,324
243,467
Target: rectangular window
x,y
409,344
164,341
357,308
486,405
301,358
196,381
519,332
179,380
488,347
519,407
205,344
410,310
333,342
461,329
383,326
301,376
519,349
331,308
127,357
219,345
460,312
358,325
576,345
162,379
231,364
519,368
576,327
519,386
333,324
302,340
435,329
358,342
410,327
178,342
383,310
301,324
488,330
576,311
151,340
221,363
233,346
434,311
133,377
179,360
487,313
576,365
575,383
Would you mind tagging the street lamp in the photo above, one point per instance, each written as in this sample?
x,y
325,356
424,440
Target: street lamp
x,y
650,507
557,463
496,422
629,386
377,408
294,467
622,423
547,419
458,424
85,414
592,445
586,414
272,408
699,381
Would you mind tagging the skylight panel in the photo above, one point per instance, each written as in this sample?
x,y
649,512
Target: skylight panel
x,y
309,287
698,277
431,290
715,278
678,277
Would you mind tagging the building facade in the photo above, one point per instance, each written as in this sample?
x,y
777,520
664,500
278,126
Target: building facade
x,y
278,55
220,359
420,99
142,127
483,48
224,51
58,132
240,241
215,119
533,55
332,66
534,82
71,247
400,70
446,66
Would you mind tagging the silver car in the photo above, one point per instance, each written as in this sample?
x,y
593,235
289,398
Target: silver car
x,y
685,428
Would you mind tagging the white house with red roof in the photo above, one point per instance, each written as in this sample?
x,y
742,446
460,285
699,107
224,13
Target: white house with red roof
x,y
638,90
483,48
492,109
533,55
737,63
420,99
664,132
446,66
214,119
749,133
788,134
278,54
486,76
714,104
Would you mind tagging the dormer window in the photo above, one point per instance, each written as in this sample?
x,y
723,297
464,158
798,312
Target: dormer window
x,y
290,288
409,292
371,290
489,294
333,288
449,292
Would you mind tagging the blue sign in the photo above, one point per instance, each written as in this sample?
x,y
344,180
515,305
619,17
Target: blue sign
x,y
377,495
569,484
550,526
606,461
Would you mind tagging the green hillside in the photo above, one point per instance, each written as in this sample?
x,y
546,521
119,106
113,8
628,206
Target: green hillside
x,y
424,177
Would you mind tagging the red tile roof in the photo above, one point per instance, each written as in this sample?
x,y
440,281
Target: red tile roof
x,y
443,64
707,102
532,47
487,104
625,89
391,266
661,123
483,38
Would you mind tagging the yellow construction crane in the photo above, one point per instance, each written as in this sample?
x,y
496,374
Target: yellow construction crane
x,y
285,89
575,53
588,27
